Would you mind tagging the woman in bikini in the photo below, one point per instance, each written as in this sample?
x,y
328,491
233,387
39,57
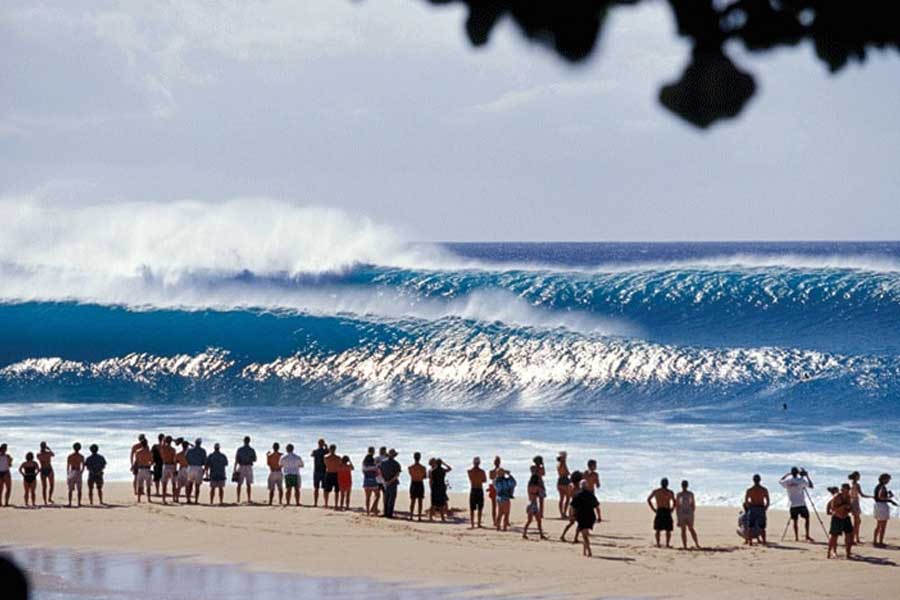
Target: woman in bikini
x,y
537,468
48,479
563,485
855,494
345,483
492,491
536,493
29,471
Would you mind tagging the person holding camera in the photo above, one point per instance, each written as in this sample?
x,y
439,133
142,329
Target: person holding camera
x,y
796,483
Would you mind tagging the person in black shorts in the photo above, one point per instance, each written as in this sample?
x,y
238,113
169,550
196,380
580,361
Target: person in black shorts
x,y
318,456
840,508
333,465
477,478
584,508
665,503
417,475
157,462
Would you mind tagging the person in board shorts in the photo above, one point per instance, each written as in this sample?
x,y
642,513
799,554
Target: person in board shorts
x,y
276,475
477,478
134,450
216,468
169,468
196,460
157,462
318,455
417,475
181,477
244,458
143,462
840,507
75,472
95,465
795,484
48,477
665,503
291,465
756,503
332,466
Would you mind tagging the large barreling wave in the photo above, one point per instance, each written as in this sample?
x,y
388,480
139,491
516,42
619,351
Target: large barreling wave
x,y
259,301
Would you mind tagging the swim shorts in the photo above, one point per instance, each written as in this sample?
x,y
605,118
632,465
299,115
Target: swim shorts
x,y
331,482
245,474
663,520
799,511
476,499
841,525
292,481
417,490
276,479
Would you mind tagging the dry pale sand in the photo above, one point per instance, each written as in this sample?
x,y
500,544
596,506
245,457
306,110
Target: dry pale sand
x,y
323,542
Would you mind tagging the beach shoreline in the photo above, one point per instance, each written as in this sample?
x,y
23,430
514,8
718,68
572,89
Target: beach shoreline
x,y
326,543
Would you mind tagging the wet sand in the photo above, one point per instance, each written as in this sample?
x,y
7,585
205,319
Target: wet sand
x,y
326,544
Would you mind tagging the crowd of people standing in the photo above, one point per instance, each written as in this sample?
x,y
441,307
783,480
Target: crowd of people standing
x,y
176,469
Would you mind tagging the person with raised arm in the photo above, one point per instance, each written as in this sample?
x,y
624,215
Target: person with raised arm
x,y
437,479
48,477
505,484
795,484
665,503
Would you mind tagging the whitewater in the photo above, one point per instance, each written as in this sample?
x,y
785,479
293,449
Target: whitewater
x,y
709,361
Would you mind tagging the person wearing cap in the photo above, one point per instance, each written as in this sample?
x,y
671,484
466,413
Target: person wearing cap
x,y
95,465
216,468
795,484
756,503
390,470
477,477
196,460
276,475
243,463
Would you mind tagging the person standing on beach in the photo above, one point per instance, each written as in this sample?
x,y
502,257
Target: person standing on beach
x,y
665,502
95,465
586,510
533,510
276,475
318,455
332,466
685,506
592,477
505,484
157,461
181,478
345,483
370,481
74,472
291,465
883,498
196,460
756,503
244,458
390,470
143,462
169,468
855,509
537,468
379,478
417,475
795,483
438,481
492,491
29,471
577,477
134,450
6,462
839,508
477,477
216,468
563,484
48,477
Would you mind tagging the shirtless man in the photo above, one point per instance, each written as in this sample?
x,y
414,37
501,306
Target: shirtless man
x,y
74,472
592,477
143,463
332,466
417,474
840,507
134,450
492,491
169,466
665,502
276,475
48,477
477,477
685,505
6,463
181,477
157,461
756,503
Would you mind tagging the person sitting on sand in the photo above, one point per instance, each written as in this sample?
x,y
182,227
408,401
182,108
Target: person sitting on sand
x,y
48,477
134,450
318,455
181,477
169,467
196,459
855,508
216,468
276,475
437,478
6,463
665,502
563,485
505,484
143,462
29,471
839,508
477,477
390,471
577,477
795,483
370,479
533,510
244,458
586,510
492,491
345,482
95,465
685,506
291,465
883,498
417,475
756,503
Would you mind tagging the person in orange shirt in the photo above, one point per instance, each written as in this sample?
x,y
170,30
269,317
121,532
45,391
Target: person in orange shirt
x,y
276,475
143,462
345,483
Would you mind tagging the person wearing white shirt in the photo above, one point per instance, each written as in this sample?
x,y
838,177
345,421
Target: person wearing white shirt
x,y
291,465
795,484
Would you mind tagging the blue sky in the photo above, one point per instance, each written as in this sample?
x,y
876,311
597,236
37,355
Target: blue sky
x,y
382,108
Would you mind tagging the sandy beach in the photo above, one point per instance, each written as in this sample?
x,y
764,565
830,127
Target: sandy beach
x,y
325,543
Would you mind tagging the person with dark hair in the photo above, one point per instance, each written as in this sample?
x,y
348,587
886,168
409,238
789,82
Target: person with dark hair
x,y
855,509
417,476
883,498
95,465
332,467
6,463
577,477
537,468
563,484
437,479
585,509
74,472
143,462
181,477
685,506
244,458
157,462
756,503
379,478
839,508
533,510
370,478
505,484
169,468
492,491
390,471
48,477
796,483
134,450
216,468
276,475
318,455
665,503
29,471
196,460
592,477
345,483
477,477
291,464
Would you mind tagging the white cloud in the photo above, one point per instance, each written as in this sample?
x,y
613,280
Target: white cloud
x,y
552,92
